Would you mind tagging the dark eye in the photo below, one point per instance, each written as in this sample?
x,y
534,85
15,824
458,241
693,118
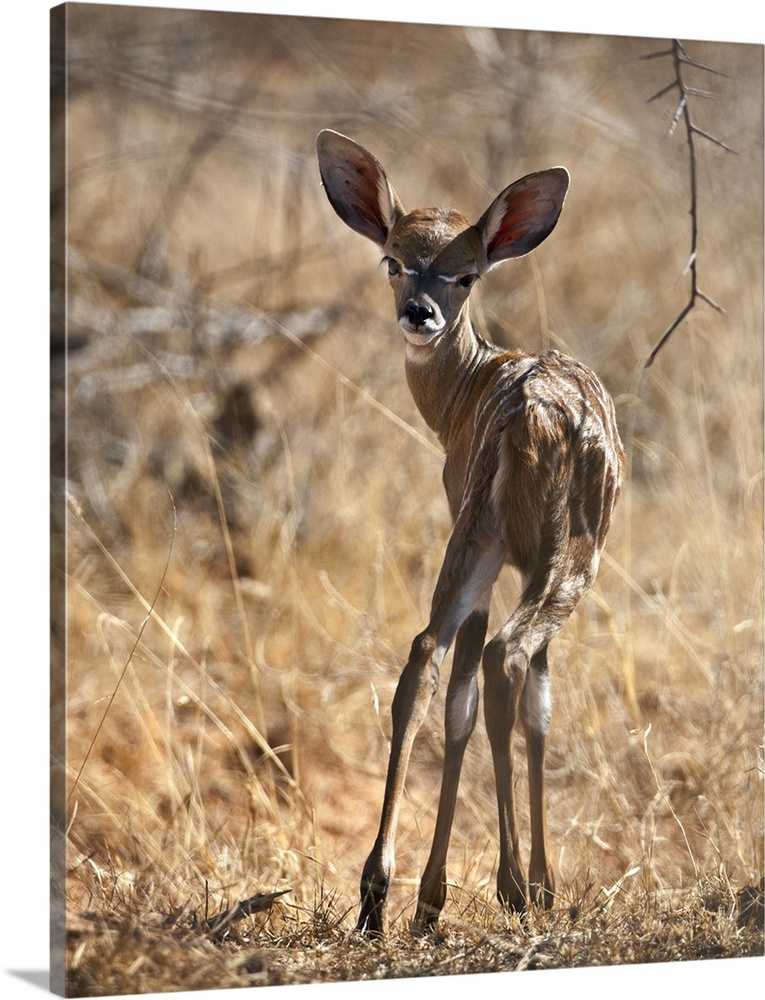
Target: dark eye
x,y
394,267
466,280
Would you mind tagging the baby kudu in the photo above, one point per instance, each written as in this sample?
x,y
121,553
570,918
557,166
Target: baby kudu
x,y
533,466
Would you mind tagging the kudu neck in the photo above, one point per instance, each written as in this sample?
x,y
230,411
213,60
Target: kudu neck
x,y
443,376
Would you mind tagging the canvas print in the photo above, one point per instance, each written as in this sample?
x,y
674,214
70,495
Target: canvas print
x,y
407,500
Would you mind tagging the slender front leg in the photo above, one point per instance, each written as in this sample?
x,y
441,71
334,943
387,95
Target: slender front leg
x,y
416,687
468,572
461,713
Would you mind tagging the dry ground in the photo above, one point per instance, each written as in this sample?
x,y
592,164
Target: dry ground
x,y
249,520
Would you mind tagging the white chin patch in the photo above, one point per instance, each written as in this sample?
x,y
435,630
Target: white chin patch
x,y
420,337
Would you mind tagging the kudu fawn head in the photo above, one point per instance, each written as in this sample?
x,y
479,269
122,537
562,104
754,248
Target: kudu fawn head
x,y
434,256
532,471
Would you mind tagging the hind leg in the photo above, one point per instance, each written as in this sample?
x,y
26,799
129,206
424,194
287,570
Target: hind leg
x,y
535,716
517,684
504,677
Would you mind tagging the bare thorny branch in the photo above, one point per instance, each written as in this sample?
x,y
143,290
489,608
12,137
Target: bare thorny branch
x,y
681,60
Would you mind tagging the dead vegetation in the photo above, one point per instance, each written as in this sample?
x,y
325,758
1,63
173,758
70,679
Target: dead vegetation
x,y
250,517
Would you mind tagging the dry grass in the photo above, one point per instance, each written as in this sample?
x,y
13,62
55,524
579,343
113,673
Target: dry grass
x,y
251,538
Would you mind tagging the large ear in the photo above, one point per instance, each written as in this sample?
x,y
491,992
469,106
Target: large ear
x,y
523,215
357,186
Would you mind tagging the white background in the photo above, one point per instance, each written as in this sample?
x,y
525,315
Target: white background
x,y
24,483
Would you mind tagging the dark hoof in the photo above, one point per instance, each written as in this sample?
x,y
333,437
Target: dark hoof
x,y
425,920
513,901
372,910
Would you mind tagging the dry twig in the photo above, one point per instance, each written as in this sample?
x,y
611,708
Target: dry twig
x,y
221,922
681,60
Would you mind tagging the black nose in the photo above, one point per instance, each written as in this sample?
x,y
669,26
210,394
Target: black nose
x,y
418,313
